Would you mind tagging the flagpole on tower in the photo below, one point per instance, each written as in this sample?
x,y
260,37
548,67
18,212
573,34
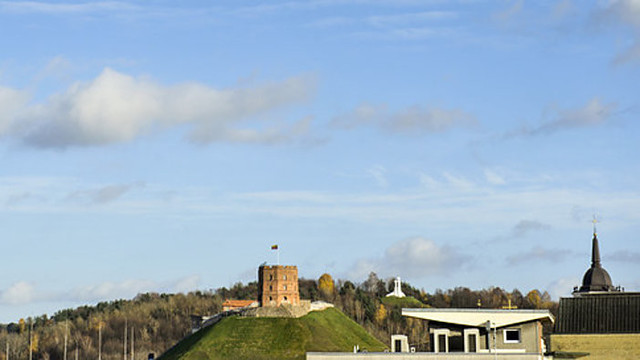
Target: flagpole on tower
x,y
275,247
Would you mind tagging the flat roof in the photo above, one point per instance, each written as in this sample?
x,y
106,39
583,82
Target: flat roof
x,y
479,317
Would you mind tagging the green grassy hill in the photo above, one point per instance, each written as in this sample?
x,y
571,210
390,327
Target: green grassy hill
x,y
405,302
274,338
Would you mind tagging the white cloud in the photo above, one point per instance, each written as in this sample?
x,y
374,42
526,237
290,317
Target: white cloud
x,y
413,258
115,107
11,103
458,182
378,172
562,287
19,293
493,178
414,120
22,293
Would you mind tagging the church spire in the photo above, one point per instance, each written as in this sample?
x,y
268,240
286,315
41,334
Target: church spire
x,y
595,252
596,279
595,249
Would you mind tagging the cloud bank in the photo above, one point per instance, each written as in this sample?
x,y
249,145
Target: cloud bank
x,y
22,292
115,107
414,258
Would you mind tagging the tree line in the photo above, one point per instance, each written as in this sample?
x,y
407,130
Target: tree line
x,y
155,322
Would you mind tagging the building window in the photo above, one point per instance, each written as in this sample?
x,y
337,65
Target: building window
x,y
270,276
285,287
270,288
511,336
284,277
285,299
270,298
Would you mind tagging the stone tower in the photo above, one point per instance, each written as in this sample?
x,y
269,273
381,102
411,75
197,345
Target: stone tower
x,y
278,284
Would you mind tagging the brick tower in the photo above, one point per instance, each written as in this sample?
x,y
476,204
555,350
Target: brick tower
x,y
278,284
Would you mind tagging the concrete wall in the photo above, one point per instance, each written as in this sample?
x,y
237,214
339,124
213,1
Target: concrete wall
x,y
530,334
600,346
419,356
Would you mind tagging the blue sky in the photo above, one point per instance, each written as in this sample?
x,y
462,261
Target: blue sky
x,y
165,146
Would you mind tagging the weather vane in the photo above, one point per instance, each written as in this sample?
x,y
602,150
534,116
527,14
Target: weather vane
x,y
594,221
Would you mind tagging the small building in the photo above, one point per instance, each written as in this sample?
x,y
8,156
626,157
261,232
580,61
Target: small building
x,y
231,304
277,285
496,331
600,321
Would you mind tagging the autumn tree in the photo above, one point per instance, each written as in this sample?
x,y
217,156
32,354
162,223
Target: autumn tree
x,y
326,286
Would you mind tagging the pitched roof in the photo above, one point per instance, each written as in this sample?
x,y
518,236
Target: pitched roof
x,y
604,313
238,303
479,317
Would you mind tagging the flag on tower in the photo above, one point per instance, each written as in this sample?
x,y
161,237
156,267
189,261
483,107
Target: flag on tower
x,y
274,247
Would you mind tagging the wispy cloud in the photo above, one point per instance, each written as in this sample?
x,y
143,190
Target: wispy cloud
x,y
414,120
22,292
64,8
624,256
103,194
414,258
626,13
513,9
524,227
591,114
116,107
378,172
538,254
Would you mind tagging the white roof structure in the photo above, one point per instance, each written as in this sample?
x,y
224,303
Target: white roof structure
x,y
479,317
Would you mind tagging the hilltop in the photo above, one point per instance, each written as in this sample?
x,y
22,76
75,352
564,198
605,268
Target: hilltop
x,y
274,338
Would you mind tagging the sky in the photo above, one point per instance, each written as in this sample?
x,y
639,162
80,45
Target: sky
x,y
162,146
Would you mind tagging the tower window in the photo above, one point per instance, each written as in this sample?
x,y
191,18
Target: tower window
x,y
285,287
284,277
270,288
270,276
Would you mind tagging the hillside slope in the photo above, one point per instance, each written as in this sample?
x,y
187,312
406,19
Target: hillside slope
x,y
274,338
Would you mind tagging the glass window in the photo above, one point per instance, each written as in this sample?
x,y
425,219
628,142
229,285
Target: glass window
x,y
284,277
511,335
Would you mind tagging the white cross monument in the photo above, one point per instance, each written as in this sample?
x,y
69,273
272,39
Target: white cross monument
x,y
397,289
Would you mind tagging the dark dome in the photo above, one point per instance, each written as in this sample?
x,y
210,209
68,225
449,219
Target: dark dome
x,y
596,279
